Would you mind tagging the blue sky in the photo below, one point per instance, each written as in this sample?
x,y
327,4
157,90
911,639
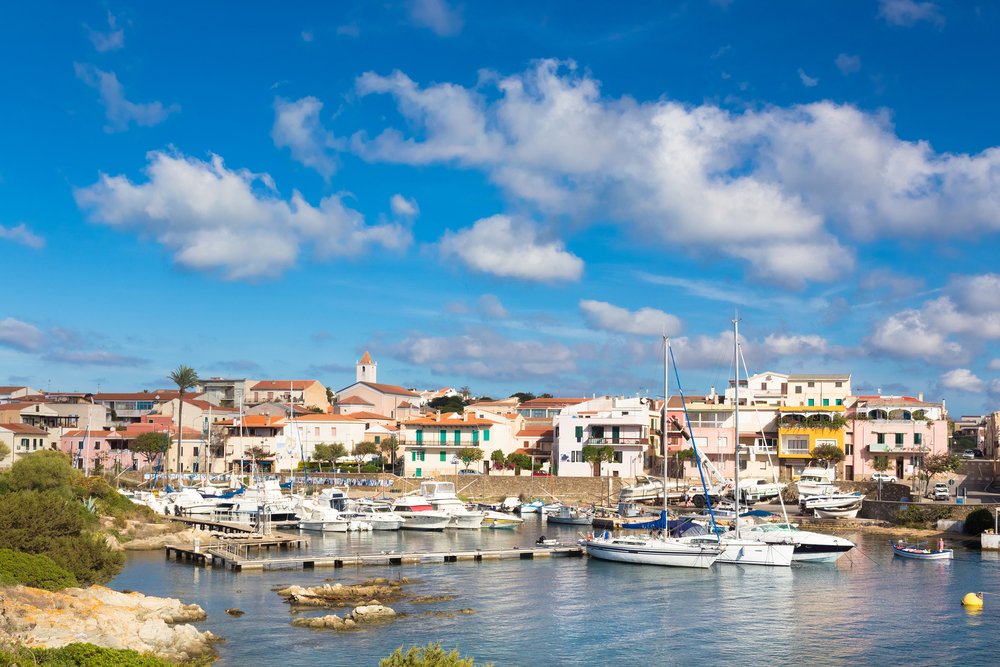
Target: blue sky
x,y
509,196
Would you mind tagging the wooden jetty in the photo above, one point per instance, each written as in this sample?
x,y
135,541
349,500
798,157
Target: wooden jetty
x,y
224,526
236,556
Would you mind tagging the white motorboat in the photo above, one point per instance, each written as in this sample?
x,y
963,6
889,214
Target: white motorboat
x,y
831,501
379,515
573,516
419,514
495,519
323,519
809,546
188,501
509,504
264,497
150,499
815,482
850,512
644,550
533,507
442,497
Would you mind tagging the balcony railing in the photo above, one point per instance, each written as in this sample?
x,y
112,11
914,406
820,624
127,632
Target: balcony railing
x,y
429,442
618,441
889,448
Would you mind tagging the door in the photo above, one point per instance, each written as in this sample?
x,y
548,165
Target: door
x,y
615,432
899,469
418,471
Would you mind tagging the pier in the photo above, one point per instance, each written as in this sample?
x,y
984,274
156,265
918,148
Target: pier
x,y
238,556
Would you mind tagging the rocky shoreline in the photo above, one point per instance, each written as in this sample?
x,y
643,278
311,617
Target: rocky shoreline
x,y
106,618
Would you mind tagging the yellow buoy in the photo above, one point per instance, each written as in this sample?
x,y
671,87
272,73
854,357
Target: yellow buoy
x,y
973,600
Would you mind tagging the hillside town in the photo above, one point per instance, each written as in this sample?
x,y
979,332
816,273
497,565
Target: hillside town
x,y
225,425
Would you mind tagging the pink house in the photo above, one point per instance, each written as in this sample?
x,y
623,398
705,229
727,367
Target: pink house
x,y
902,429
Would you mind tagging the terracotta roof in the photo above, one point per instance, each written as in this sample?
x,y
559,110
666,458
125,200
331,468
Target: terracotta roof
x,y
354,399
24,429
449,419
389,389
92,434
405,404
257,421
165,395
535,433
7,390
324,417
367,359
20,405
277,385
367,415
551,402
206,406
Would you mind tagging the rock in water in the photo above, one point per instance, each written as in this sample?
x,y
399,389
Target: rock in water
x,y
233,611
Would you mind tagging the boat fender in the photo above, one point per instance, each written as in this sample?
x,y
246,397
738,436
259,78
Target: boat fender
x,y
973,600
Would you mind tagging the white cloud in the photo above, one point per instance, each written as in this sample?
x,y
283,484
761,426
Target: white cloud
x,y
994,365
910,12
847,64
111,40
807,81
119,111
403,207
21,234
297,126
643,322
436,15
20,335
962,379
484,354
94,358
977,294
216,219
511,248
782,345
490,306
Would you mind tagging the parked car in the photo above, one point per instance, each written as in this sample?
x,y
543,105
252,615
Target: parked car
x,y
941,491
884,477
969,454
469,472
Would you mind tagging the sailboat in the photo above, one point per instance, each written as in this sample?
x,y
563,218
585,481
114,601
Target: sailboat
x,y
739,547
659,549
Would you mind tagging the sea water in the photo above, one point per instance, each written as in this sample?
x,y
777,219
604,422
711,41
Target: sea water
x,y
869,608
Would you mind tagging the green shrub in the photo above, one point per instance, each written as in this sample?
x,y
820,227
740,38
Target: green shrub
x,y
370,467
978,521
77,655
39,471
917,516
431,655
37,571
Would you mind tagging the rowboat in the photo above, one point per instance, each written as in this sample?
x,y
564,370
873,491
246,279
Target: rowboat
x,y
921,552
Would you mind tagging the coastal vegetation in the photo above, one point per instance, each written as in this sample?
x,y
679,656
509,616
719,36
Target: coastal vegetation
x,y
827,454
48,509
431,655
922,516
80,655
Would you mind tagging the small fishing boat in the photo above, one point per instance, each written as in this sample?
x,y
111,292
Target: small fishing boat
x,y
921,552
572,516
534,507
500,520
850,512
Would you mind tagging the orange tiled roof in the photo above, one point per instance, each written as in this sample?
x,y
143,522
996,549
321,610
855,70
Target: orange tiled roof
x,y
367,359
551,402
535,433
20,405
389,389
278,385
354,399
24,429
367,415
8,390
324,417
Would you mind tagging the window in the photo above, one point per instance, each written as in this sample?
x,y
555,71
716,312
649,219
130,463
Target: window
x,y
811,384
597,431
486,435
196,452
576,457
97,445
458,437
444,456
899,438
378,439
538,414
475,437
880,438
798,389
826,401
413,456
840,401
812,402
838,384
848,449
579,433
420,437
618,458
443,435
81,444
918,438
316,431
422,455
796,446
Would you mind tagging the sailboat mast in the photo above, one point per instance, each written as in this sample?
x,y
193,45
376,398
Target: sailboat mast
x,y
736,416
663,423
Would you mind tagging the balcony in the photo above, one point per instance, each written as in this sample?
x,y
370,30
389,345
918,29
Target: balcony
x,y
427,442
617,441
891,448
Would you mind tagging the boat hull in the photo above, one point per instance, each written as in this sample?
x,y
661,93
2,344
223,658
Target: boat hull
x,y
651,552
324,526
838,513
570,521
922,554
424,520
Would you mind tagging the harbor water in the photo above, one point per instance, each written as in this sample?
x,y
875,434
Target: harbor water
x,y
868,608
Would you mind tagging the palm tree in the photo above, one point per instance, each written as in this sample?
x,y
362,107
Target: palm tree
x,y
185,378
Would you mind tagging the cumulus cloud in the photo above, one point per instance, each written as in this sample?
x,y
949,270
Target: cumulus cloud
x,y
21,234
994,365
232,221
490,306
511,248
947,328
19,335
847,64
705,351
807,81
484,354
94,358
110,40
403,207
297,126
910,12
962,379
119,111
643,322
437,16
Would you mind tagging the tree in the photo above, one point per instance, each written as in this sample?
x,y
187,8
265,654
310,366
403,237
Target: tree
x,y
598,455
499,459
447,404
149,445
465,392
185,378
523,396
827,454
469,454
39,471
330,395
520,462
363,449
389,446
257,452
329,453
881,463
4,451
937,464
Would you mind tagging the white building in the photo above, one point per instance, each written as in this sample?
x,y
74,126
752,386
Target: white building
x,y
620,423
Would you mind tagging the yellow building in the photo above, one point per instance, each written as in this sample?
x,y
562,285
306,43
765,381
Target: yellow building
x,y
801,429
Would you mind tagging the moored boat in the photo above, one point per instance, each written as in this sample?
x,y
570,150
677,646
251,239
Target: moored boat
x,y
921,552
419,514
494,519
572,516
644,550
850,512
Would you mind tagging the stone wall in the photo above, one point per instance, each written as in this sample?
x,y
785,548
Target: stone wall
x,y
885,510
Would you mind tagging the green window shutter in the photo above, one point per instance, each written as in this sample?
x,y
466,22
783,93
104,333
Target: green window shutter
x,y
918,438
899,438
615,433
418,472
444,457
840,401
378,439
420,437
444,437
458,437
413,455
826,401
475,437
422,455
486,435
812,402
579,433
880,438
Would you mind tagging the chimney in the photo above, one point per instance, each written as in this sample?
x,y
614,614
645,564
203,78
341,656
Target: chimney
x,y
465,416
920,397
